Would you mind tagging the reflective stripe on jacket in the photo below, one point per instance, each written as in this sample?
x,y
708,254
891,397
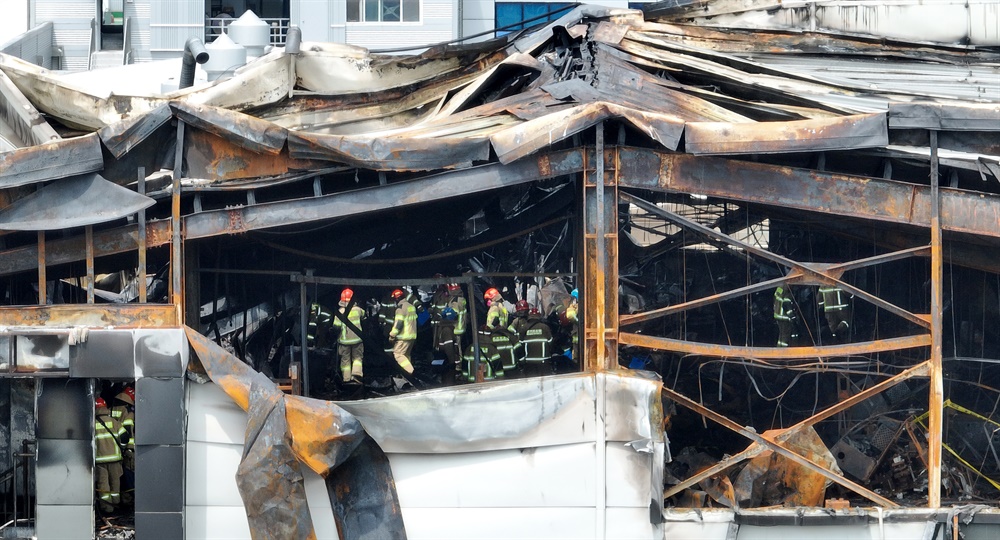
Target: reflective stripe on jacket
x,y
347,336
107,433
832,298
404,325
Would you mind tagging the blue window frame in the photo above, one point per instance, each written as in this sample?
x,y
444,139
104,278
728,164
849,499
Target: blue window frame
x,y
513,14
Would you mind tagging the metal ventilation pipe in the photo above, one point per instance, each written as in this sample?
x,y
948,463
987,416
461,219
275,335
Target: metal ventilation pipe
x,y
293,40
194,53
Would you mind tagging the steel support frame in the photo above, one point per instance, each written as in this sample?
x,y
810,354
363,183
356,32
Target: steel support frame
x,y
935,401
599,290
756,448
779,447
812,272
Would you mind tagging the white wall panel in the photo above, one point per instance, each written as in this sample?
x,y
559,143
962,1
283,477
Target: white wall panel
x,y
216,523
628,476
630,524
499,523
211,474
541,477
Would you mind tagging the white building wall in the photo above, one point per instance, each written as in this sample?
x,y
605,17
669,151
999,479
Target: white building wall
x,y
480,15
14,21
171,23
72,22
139,11
436,25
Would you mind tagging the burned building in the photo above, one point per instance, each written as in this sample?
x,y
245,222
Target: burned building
x,y
782,242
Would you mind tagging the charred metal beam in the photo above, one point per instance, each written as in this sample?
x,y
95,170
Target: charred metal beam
x,y
599,292
777,447
935,401
787,187
808,271
96,316
422,190
773,353
22,117
51,161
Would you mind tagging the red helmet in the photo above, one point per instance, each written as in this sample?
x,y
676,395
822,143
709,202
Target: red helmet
x,y
130,392
522,305
534,311
397,294
454,287
99,403
346,295
491,294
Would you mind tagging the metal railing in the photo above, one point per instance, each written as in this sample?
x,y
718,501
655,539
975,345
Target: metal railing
x,y
94,36
214,27
127,42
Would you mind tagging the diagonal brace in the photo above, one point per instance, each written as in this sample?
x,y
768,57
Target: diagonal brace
x,y
784,261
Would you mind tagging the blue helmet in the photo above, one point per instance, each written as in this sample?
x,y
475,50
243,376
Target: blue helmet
x,y
576,294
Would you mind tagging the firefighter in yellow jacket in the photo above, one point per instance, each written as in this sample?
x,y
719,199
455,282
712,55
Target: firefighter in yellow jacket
x,y
350,348
108,437
124,412
404,331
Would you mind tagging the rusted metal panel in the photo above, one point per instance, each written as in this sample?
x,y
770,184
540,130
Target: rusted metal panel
x,y
841,133
240,129
208,156
123,136
285,432
72,202
51,161
529,137
964,117
389,153
840,194
771,479
94,316
773,353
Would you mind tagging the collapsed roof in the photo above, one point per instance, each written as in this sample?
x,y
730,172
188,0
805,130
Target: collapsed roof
x,y
471,158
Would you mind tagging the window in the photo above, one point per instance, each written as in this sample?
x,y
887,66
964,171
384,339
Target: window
x,y
511,15
383,10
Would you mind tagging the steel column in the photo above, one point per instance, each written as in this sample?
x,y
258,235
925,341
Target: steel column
x,y
89,240
42,292
176,273
142,238
935,401
599,287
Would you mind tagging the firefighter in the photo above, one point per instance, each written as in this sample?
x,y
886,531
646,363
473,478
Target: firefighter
x,y
448,311
497,322
124,413
785,316
517,326
404,331
536,338
497,315
489,359
108,437
349,345
318,332
837,309
386,313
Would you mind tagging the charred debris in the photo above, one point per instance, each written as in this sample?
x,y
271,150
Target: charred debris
x,y
676,174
